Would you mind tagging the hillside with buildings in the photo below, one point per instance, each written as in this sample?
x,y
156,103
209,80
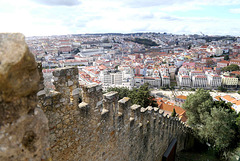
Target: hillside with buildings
x,y
62,114
55,126
180,62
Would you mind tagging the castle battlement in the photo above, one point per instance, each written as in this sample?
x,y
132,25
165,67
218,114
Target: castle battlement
x,y
103,117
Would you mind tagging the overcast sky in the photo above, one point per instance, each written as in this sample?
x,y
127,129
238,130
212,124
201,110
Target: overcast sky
x,y
55,17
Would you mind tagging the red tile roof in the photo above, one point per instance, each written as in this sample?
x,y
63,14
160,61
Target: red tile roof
x,y
224,62
182,97
164,105
200,76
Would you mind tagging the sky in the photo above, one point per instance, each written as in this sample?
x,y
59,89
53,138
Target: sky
x,y
60,17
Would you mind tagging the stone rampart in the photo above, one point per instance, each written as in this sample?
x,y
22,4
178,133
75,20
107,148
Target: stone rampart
x,y
103,127
23,126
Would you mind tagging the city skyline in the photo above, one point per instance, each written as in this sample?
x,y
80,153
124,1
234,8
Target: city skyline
x,y
52,17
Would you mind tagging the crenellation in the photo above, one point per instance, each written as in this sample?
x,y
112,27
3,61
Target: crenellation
x,y
103,123
120,121
123,107
156,111
132,122
104,112
150,115
135,112
149,112
92,94
84,108
143,118
110,103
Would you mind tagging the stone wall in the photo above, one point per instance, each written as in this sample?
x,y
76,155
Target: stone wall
x,y
103,127
23,126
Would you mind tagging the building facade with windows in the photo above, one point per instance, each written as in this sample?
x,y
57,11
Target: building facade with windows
x,y
214,80
166,81
184,81
199,81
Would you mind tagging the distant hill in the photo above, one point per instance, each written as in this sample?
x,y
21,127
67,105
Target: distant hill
x,y
146,42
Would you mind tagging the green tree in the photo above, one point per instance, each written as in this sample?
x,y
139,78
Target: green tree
x,y
213,121
193,89
140,96
222,89
122,91
174,113
116,67
226,57
232,67
196,104
146,42
219,128
238,92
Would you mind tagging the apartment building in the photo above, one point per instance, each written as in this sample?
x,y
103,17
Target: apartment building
x,y
235,61
111,79
223,63
153,82
199,81
195,73
214,80
184,81
165,81
229,81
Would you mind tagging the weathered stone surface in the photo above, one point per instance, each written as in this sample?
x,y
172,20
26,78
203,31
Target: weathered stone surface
x,y
25,139
23,127
41,83
18,69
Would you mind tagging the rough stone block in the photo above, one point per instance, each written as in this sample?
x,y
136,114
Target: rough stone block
x,y
110,96
18,69
83,106
25,139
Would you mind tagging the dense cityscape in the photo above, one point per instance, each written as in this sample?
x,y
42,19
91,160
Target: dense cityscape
x,y
129,80
165,61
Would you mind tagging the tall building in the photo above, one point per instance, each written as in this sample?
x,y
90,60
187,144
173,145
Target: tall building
x,y
214,80
184,81
166,81
199,81
229,81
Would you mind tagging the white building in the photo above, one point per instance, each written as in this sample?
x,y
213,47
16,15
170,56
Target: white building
x,y
165,81
123,78
199,81
111,79
229,81
216,50
184,81
214,80
153,82
194,73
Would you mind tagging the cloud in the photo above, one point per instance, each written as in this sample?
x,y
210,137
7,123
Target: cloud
x,y
170,18
235,10
169,3
59,2
218,2
98,16
153,3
